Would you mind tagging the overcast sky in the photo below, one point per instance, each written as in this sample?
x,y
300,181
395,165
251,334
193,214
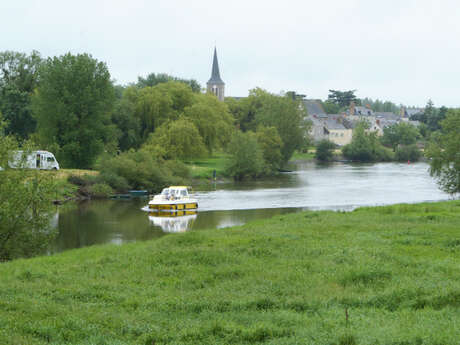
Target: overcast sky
x,y
405,51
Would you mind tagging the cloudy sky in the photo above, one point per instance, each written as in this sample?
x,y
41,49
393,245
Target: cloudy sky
x,y
406,51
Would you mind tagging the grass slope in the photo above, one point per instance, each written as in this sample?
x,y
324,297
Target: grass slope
x,y
288,280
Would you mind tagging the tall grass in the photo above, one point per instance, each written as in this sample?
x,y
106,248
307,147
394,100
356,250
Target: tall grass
x,y
385,275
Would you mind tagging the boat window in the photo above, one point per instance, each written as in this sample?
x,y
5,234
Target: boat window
x,y
50,159
183,192
165,191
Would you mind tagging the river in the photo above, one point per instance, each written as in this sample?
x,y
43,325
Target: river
x,y
338,186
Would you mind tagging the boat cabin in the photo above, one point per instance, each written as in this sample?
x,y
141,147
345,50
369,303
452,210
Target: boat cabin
x,y
175,192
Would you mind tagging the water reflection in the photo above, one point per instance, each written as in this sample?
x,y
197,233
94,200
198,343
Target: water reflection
x,y
179,221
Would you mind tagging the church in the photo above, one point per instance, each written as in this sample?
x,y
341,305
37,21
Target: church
x,y
215,84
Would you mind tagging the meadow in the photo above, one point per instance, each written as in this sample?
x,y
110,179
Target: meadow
x,y
377,275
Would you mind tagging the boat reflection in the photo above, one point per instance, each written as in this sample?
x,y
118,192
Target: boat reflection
x,y
179,221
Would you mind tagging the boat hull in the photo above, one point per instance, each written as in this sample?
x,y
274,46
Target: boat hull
x,y
191,205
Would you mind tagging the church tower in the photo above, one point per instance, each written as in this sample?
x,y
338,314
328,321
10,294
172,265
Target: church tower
x,y
215,85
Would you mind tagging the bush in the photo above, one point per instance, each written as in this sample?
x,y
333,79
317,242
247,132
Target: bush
x,y
140,170
324,151
407,153
100,190
246,156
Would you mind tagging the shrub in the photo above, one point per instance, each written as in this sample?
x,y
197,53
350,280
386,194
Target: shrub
x,y
246,156
324,151
100,190
407,153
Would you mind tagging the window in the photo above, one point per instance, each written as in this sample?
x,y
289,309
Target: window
x,y
50,159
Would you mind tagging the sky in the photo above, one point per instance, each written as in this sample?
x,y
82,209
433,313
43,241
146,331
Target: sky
x,y
404,51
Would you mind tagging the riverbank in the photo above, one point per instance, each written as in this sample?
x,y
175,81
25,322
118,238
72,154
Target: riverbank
x,y
386,275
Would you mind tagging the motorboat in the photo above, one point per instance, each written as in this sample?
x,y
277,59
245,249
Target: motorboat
x,y
173,198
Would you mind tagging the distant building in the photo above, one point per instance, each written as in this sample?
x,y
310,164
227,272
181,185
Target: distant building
x,y
215,85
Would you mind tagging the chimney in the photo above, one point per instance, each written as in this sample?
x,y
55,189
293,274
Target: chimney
x,y
368,106
352,108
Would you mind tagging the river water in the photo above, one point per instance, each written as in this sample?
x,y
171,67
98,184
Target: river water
x,y
338,186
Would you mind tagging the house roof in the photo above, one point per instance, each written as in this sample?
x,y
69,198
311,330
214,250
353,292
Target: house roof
x,y
313,107
360,110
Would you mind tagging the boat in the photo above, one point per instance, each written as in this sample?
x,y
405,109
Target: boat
x,y
173,198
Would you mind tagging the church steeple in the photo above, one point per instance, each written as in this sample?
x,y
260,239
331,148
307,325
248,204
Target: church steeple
x,y
215,84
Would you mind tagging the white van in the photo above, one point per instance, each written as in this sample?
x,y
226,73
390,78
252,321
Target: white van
x,y
34,160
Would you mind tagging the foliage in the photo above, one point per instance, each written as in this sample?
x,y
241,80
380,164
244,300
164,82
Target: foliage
x,y
246,156
381,106
139,170
25,207
72,106
154,79
444,153
19,75
342,98
127,124
270,143
325,151
178,139
100,190
213,120
330,107
365,147
282,280
401,133
431,117
406,153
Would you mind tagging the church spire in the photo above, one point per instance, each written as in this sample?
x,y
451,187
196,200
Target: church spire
x,y
215,84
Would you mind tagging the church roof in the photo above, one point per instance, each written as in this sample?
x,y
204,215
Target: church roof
x,y
215,75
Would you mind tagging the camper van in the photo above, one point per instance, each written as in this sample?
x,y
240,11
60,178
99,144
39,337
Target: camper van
x,y
34,160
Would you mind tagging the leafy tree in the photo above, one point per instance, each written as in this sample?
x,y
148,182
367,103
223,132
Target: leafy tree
x,y
154,79
381,106
270,143
213,120
444,152
342,98
72,106
19,75
365,147
178,139
400,134
246,156
285,115
325,151
128,126
405,153
25,206
330,107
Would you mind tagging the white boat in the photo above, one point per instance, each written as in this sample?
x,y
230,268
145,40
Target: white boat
x,y
173,198
179,221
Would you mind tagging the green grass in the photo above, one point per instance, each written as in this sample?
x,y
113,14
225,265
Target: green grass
x,y
303,156
203,168
287,280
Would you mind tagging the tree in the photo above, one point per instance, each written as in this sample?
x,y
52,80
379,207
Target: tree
x,y
342,98
19,75
330,107
365,147
25,206
400,134
154,79
285,115
444,152
72,106
178,139
325,151
213,120
246,156
270,143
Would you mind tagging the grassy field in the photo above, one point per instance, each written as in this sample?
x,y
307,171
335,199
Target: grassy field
x,y
203,168
303,156
384,275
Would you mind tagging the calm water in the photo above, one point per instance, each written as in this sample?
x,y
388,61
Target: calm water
x,y
337,187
